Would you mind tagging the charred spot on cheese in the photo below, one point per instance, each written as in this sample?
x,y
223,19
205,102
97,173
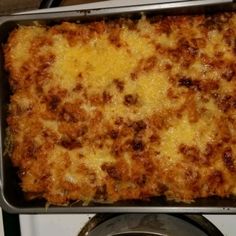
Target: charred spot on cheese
x,y
198,42
154,138
228,159
70,144
164,25
53,103
228,37
114,36
141,180
187,51
230,72
101,193
209,150
186,82
217,21
225,102
78,87
30,150
215,180
171,94
68,116
208,86
148,63
106,96
75,33
119,85
114,134
108,110
134,75
137,145
190,152
112,171
139,125
131,24
130,99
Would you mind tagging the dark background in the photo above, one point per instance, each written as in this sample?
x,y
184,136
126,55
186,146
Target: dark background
x,y
11,6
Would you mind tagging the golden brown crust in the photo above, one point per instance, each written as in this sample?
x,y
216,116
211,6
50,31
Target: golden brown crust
x,y
125,109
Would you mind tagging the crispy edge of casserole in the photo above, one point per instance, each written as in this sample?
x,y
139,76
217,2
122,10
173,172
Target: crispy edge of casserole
x,y
124,109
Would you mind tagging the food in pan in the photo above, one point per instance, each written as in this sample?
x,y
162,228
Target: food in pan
x,y
125,108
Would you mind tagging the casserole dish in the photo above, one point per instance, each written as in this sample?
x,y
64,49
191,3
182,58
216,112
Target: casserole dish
x,y
12,198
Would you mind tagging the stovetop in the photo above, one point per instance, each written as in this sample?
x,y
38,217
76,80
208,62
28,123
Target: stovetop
x,y
70,225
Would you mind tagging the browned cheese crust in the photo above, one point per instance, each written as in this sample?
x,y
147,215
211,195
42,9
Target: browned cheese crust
x,y
124,109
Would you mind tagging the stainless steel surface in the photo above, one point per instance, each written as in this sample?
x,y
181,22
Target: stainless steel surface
x,y
165,6
75,2
11,197
148,224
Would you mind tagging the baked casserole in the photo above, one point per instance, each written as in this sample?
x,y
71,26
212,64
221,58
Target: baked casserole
x,y
124,109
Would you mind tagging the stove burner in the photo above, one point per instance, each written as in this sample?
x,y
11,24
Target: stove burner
x,y
149,225
137,234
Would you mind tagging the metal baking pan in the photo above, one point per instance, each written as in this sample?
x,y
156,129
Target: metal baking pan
x,y
11,196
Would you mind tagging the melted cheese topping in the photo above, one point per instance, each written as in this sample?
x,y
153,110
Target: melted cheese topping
x,y
108,111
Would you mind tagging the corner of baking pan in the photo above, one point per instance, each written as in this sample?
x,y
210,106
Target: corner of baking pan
x,y
6,206
3,19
